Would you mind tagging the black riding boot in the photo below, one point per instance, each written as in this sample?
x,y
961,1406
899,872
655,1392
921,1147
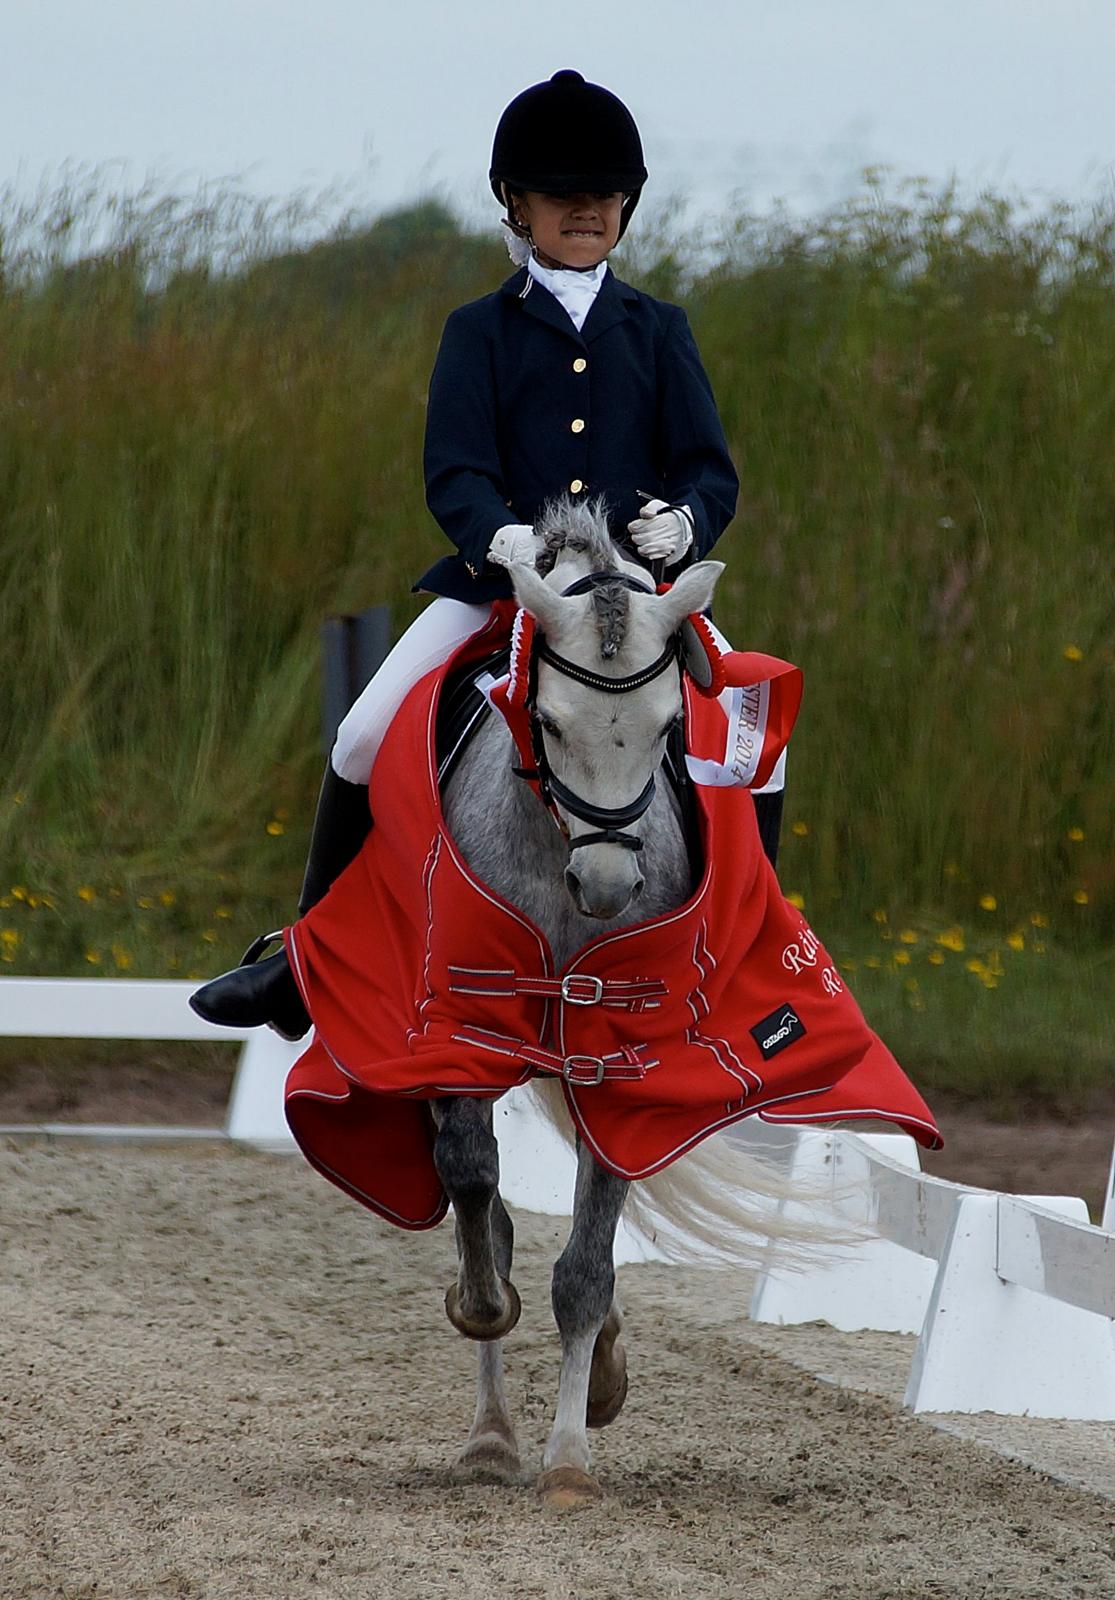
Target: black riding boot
x,y
258,992
768,814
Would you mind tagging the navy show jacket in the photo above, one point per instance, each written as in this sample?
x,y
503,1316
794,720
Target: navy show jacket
x,y
522,408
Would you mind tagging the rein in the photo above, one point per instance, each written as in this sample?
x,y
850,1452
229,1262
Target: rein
x,y
609,820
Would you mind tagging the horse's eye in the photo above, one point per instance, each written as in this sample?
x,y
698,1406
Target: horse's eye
x,y
549,726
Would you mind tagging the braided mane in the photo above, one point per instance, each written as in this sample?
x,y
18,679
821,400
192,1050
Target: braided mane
x,y
581,527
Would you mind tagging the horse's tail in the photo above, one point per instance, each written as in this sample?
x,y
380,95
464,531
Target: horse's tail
x,y
724,1201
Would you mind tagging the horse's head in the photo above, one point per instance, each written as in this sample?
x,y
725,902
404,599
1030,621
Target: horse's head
x,y
608,693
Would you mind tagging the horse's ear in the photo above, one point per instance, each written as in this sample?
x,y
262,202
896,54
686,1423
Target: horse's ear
x,y
535,596
692,590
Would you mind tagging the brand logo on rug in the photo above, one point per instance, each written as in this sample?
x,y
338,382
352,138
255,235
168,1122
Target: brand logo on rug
x,y
778,1031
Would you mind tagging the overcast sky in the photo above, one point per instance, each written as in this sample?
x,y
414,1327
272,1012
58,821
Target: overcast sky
x,y
785,98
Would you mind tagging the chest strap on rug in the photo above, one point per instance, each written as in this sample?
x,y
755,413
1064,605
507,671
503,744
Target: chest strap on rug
x,y
575,988
583,1070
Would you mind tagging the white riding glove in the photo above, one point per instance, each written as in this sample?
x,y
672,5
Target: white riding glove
x,y
660,533
516,542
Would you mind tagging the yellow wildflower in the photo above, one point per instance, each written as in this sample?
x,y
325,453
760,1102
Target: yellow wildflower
x,y
93,957
209,936
274,828
1016,941
873,962
145,902
880,915
121,957
168,897
9,937
223,912
1080,897
976,966
901,958
18,891
951,939
797,900
988,902
1073,652
1039,920
908,936
936,958
1075,834
801,829
87,893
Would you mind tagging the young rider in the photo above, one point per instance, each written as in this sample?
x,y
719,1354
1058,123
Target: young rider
x,y
564,381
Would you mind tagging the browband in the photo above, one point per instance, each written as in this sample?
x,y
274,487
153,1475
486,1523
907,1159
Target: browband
x,y
595,680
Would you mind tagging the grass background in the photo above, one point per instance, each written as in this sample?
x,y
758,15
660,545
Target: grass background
x,y
210,439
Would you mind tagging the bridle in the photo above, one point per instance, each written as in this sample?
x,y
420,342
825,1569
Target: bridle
x,y
609,820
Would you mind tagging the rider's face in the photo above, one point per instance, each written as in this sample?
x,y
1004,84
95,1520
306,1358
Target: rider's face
x,y
571,230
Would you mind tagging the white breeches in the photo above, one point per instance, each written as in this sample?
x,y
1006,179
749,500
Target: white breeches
x,y
430,640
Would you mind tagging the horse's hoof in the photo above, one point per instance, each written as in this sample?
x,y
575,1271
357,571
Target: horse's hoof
x,y
568,1489
484,1330
605,1407
491,1455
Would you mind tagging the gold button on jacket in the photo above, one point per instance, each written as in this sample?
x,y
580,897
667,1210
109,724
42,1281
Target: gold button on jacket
x,y
580,364
576,486
578,425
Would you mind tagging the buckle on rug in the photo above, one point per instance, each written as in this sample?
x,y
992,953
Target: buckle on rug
x,y
573,1069
590,994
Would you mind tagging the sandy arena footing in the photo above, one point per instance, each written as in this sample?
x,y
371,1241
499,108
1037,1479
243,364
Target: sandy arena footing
x,y
223,1380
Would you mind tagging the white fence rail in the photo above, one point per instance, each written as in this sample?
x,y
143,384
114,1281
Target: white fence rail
x,y
148,1008
1012,1297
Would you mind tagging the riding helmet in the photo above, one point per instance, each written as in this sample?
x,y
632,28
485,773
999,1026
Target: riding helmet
x,y
567,136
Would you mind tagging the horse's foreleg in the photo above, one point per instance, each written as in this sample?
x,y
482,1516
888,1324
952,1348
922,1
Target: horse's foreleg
x,y
483,1303
491,1445
583,1285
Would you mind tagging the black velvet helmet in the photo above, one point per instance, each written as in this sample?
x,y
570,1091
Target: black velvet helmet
x,y
568,137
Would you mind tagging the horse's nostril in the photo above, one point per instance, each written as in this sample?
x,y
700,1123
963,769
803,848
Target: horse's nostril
x,y
637,889
573,883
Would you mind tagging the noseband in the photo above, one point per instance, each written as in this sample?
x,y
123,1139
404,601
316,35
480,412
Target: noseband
x,y
610,820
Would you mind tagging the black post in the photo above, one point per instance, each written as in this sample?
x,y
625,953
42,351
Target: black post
x,y
352,651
